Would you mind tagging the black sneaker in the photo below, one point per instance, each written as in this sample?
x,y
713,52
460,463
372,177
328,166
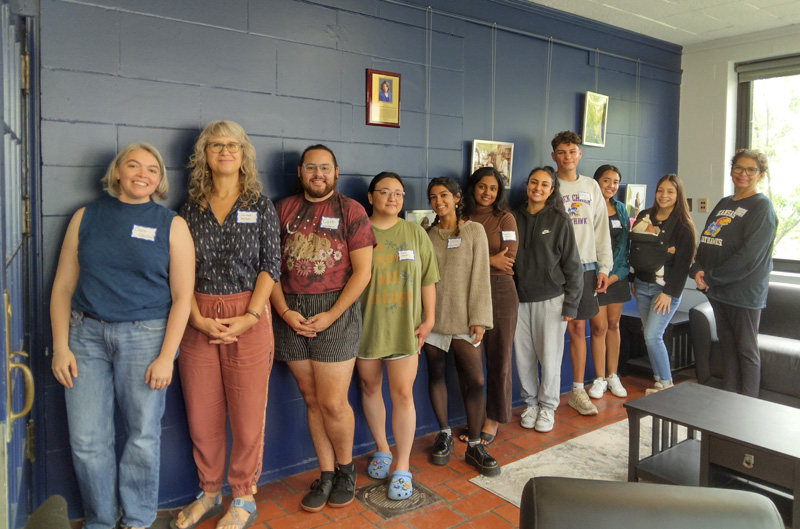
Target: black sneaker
x,y
478,457
315,500
442,448
344,486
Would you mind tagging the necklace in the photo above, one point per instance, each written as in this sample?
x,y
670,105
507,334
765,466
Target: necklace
x,y
442,235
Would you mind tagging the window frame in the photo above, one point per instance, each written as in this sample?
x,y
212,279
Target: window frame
x,y
747,73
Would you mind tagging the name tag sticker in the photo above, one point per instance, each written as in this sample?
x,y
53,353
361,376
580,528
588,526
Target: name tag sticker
x,y
143,232
329,223
405,255
246,217
740,212
453,242
585,196
616,224
510,235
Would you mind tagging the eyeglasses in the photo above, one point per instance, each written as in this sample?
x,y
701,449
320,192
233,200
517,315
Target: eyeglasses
x,y
385,193
217,147
738,169
325,168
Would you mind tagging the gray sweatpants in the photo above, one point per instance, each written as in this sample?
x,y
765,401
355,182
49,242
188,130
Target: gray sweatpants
x,y
539,339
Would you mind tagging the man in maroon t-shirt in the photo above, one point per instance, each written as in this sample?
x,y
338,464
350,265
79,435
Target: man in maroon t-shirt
x,y
326,249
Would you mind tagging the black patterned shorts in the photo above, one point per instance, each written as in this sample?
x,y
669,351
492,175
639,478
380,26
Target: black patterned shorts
x,y
337,343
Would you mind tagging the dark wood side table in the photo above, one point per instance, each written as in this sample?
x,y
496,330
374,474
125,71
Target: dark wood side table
x,y
742,437
633,352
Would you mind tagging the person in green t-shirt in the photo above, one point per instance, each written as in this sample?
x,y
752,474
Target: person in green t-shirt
x,y
398,308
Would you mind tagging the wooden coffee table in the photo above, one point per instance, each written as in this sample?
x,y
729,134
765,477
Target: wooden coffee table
x,y
740,437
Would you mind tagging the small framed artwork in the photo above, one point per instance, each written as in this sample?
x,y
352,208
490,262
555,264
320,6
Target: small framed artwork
x,y
595,115
383,98
497,154
423,217
635,200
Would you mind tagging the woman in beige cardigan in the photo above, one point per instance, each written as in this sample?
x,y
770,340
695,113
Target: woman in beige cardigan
x,y
463,313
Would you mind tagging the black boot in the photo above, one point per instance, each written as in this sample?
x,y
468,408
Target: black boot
x,y
442,448
478,457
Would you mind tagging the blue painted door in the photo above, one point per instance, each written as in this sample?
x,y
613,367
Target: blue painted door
x,y
16,391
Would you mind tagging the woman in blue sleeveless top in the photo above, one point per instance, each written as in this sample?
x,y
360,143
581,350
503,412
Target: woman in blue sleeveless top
x,y
120,302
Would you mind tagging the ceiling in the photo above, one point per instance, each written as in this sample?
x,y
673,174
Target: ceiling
x,y
685,22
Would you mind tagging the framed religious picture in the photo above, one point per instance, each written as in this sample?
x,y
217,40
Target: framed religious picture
x,y
423,217
383,98
595,115
497,154
635,200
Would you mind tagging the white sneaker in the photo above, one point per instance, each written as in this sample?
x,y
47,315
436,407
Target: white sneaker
x,y
544,421
658,387
529,416
615,386
599,386
579,400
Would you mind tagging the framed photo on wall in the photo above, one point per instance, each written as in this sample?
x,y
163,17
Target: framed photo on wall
x,y
383,98
635,200
595,115
497,154
423,217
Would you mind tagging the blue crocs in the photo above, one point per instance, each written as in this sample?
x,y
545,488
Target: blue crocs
x,y
378,467
400,487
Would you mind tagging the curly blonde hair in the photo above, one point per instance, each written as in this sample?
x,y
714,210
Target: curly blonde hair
x,y
111,183
200,183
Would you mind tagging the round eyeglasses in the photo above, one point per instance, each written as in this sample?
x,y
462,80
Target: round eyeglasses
x,y
232,147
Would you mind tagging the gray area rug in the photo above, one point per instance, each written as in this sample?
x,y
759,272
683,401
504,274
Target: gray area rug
x,y
599,454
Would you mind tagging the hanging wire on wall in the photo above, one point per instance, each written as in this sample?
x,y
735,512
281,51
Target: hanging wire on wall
x,y
428,70
636,127
597,71
494,70
547,89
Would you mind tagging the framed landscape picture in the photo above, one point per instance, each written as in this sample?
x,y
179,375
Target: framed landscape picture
x,y
595,115
497,154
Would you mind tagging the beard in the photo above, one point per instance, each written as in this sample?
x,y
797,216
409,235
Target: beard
x,y
315,192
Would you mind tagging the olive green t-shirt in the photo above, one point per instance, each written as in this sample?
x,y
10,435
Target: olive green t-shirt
x,y
402,263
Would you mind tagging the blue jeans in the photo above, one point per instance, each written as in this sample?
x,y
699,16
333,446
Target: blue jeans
x,y
112,359
654,325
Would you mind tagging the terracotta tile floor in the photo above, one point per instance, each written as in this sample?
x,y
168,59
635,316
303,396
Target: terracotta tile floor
x,y
465,505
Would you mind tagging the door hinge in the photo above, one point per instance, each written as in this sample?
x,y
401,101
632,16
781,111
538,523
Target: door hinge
x,y
26,216
25,73
30,441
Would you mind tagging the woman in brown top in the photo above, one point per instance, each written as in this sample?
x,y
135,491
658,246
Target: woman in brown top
x,y
485,203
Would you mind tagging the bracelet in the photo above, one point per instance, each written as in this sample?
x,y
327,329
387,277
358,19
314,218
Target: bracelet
x,y
285,311
253,313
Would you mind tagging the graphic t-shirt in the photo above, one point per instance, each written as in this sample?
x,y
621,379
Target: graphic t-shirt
x,y
316,241
402,263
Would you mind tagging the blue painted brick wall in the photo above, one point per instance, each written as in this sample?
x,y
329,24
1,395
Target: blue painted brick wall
x,y
292,73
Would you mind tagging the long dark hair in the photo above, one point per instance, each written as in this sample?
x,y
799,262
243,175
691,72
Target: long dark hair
x,y
452,186
554,200
681,208
499,205
607,167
